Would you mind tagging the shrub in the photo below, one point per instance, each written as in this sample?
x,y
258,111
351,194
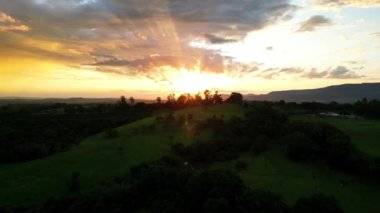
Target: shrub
x,y
241,166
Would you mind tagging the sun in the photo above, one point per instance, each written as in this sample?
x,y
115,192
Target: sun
x,y
193,81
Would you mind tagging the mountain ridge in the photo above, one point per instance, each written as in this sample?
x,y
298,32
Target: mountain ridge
x,y
344,93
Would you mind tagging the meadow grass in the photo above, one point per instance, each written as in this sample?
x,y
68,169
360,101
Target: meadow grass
x,y
274,172
99,159
364,133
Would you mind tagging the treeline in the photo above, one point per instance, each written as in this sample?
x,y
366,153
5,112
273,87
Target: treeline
x,y
264,127
29,132
365,108
205,98
170,186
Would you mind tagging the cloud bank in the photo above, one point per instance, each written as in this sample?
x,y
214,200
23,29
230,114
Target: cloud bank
x,y
314,22
8,23
140,35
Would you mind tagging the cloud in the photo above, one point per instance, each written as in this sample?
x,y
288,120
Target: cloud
x,y
140,35
342,72
147,63
270,48
376,34
213,39
340,3
313,73
314,22
291,70
8,23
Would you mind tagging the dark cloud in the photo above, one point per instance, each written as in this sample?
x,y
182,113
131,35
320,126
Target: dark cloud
x,y
8,23
138,34
314,73
213,39
340,3
314,22
342,72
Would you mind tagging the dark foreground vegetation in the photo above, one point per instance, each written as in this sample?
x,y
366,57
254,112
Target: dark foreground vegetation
x,y
28,131
31,131
170,186
264,127
185,180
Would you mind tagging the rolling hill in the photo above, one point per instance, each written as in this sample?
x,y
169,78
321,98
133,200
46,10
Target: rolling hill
x,y
346,93
98,159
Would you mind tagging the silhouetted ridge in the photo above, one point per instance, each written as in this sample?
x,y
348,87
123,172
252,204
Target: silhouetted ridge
x,y
338,93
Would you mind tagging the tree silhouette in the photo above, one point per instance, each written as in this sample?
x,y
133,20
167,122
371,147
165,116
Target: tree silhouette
x,y
171,99
158,100
198,98
182,100
123,101
217,99
235,98
207,97
131,100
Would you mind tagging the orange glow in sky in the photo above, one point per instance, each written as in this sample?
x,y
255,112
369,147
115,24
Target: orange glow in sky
x,y
102,48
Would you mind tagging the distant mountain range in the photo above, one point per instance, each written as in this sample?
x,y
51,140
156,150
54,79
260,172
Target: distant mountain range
x,y
20,100
346,93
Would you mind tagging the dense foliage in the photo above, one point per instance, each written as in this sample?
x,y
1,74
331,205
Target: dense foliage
x,y
28,132
170,186
183,182
365,108
264,127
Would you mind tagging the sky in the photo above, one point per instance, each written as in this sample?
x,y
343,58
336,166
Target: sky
x,y
150,48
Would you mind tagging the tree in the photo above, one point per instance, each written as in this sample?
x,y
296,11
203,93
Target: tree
x,y
217,98
158,100
235,98
171,99
182,100
207,97
131,100
198,98
123,101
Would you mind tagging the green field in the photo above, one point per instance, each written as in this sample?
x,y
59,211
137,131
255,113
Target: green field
x,y
364,133
274,172
98,159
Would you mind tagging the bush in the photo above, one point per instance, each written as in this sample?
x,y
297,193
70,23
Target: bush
x,y
260,144
241,166
318,203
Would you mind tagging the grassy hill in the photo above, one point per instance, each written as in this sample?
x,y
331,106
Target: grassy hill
x,y
97,158
100,159
364,133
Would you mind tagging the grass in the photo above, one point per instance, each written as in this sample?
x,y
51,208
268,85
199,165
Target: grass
x,y
274,172
97,159
364,133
